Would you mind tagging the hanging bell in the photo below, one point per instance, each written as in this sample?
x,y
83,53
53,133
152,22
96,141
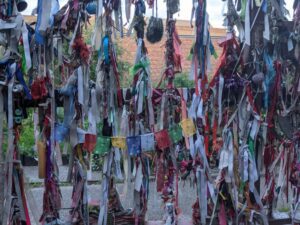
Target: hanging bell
x,y
258,78
91,8
155,30
21,5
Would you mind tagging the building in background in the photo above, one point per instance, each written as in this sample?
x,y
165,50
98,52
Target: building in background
x,y
156,51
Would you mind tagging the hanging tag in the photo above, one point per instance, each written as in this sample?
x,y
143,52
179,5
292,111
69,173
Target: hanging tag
x,y
148,142
188,127
119,142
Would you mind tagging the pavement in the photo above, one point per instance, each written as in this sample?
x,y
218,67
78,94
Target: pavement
x,y
35,189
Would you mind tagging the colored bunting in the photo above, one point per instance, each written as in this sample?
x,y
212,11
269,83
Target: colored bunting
x,y
103,145
148,142
188,127
175,133
119,142
134,145
163,139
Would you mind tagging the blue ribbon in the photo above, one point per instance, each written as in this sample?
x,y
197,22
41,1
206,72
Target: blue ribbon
x,y
38,37
105,45
264,6
69,91
60,132
269,79
54,10
20,78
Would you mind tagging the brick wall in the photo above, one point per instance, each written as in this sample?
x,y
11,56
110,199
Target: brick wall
x,y
156,51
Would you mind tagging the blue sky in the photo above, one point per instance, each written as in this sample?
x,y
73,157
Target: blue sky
x,y
214,8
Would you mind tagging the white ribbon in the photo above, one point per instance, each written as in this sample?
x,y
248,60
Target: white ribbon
x,y
46,10
138,51
266,33
102,219
80,86
26,47
128,9
205,33
247,25
140,96
138,178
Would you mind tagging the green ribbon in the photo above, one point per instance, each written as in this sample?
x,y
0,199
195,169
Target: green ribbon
x,y
251,146
141,65
243,10
243,184
103,145
175,133
23,63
